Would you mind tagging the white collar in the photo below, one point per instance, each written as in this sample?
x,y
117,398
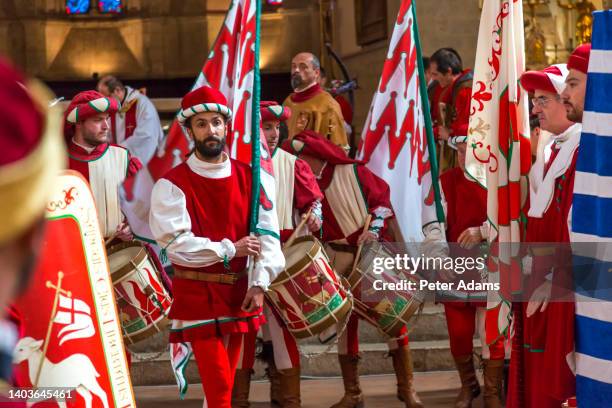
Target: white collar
x,y
541,193
210,170
87,149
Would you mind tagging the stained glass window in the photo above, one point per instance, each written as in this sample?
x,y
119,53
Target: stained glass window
x,y
77,6
110,6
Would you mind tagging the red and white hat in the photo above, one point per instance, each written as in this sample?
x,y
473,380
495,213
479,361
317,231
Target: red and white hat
x,y
550,79
31,151
271,110
84,105
203,99
579,60
89,103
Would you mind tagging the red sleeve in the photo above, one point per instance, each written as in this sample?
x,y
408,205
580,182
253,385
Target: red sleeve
x,y
134,165
459,127
375,190
306,190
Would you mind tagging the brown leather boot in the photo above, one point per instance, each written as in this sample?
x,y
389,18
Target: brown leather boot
x,y
470,389
290,387
402,364
353,397
242,385
275,384
493,376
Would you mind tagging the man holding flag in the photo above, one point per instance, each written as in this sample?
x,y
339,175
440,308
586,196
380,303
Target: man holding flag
x,y
216,301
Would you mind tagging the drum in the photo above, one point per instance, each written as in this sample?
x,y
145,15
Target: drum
x,y
388,310
307,294
143,302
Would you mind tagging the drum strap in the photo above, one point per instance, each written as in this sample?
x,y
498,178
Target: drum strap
x,y
224,278
352,249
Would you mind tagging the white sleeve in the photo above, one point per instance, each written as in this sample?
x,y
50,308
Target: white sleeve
x,y
271,260
171,227
434,243
148,133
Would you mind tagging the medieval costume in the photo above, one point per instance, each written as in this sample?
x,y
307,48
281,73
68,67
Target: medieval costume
x,y
466,314
315,109
136,126
548,336
453,113
297,192
198,210
351,192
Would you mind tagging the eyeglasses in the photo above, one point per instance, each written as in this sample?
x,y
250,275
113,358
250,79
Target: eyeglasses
x,y
542,101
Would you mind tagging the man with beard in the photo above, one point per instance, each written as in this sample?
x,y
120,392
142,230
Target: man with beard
x,y
575,84
31,156
297,192
351,193
106,166
200,213
547,326
313,108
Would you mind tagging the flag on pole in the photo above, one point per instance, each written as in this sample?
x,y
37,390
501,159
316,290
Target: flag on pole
x,y
397,136
592,226
498,154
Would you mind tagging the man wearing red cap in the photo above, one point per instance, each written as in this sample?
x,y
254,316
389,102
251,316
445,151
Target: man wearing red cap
x,y
31,156
106,166
547,327
313,108
200,214
351,192
465,225
297,192
575,84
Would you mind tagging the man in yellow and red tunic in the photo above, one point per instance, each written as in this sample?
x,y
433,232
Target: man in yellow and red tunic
x,y
200,212
313,108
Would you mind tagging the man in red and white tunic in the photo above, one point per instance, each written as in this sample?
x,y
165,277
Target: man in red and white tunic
x,y
351,192
105,165
200,213
466,213
547,327
297,193
135,126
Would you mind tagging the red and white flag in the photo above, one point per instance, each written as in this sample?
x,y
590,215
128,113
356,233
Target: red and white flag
x,y
395,136
498,153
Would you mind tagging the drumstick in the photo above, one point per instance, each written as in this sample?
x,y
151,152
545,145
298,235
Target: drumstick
x,y
111,238
358,254
293,235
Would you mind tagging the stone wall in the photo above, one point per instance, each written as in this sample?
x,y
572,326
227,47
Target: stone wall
x,y
152,39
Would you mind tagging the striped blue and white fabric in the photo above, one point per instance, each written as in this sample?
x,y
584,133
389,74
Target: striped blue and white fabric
x,y
592,227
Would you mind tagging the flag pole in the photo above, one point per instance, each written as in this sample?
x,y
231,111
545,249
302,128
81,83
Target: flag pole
x,y
431,145
255,143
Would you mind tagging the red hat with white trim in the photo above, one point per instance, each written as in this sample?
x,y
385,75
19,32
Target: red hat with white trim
x,y
579,60
85,105
203,99
550,79
271,110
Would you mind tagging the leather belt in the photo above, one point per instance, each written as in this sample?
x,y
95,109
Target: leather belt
x,y
224,278
352,249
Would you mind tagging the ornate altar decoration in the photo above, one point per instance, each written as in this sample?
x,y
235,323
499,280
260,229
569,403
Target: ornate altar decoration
x,y
584,21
